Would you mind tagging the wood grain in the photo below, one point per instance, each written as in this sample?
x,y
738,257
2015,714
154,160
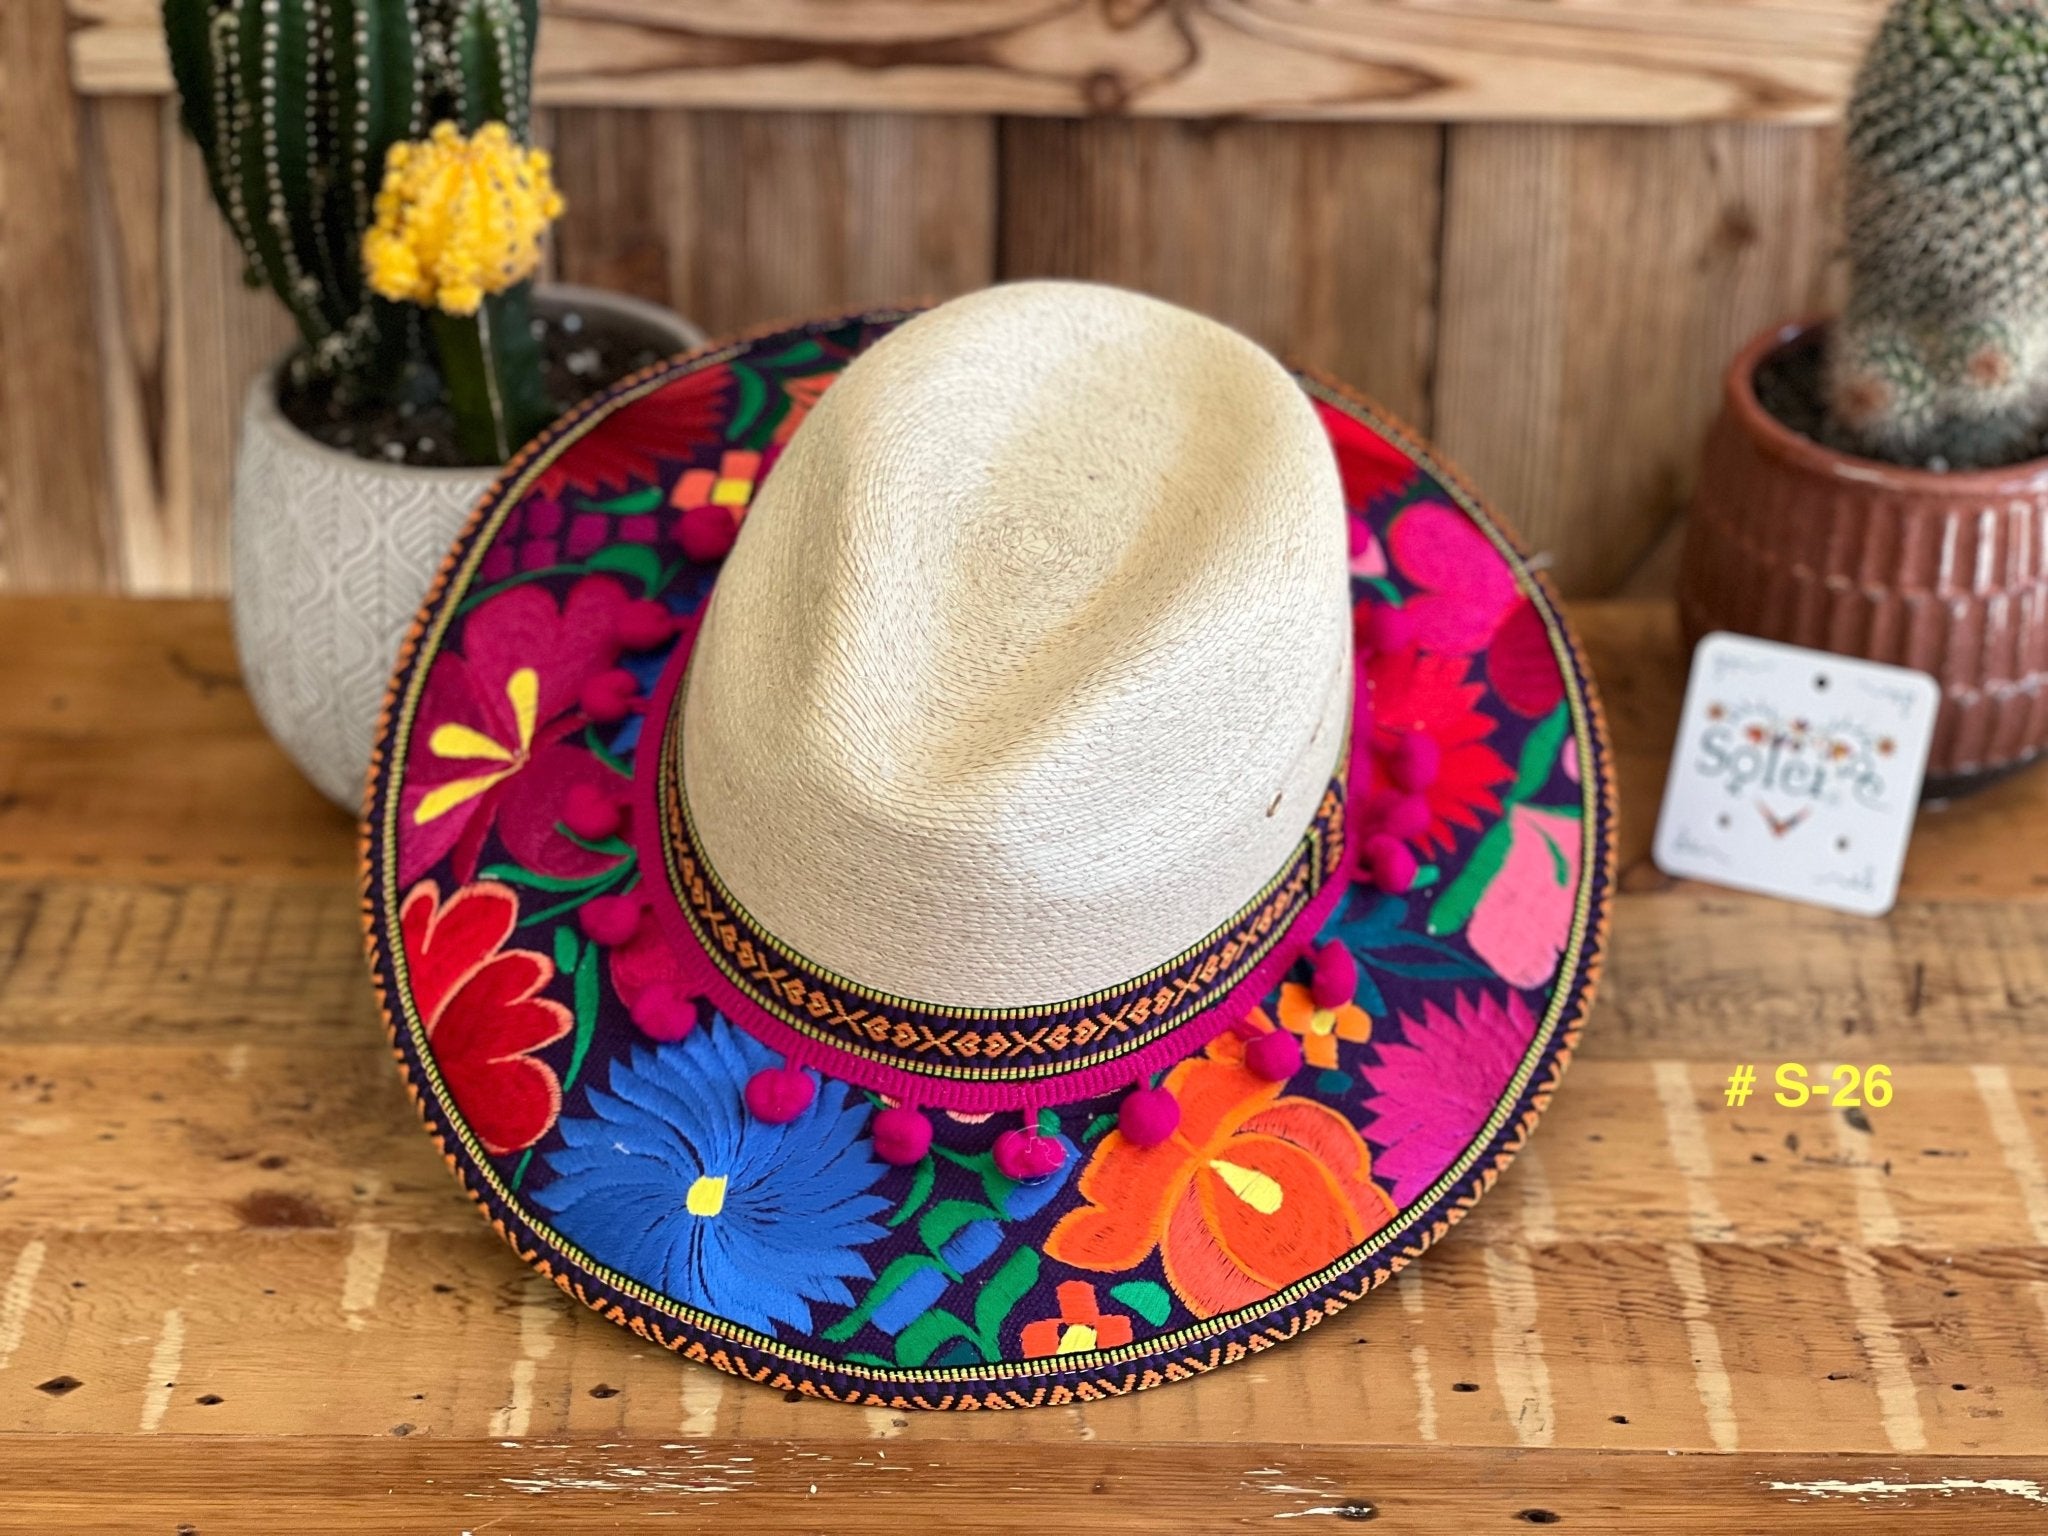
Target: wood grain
x,y
55,515
1320,242
1595,283
1598,61
737,219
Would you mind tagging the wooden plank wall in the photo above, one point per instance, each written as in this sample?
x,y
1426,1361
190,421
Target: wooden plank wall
x,y
1553,300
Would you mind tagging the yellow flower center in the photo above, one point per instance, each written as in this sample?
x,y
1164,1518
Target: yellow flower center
x,y
1260,1191
458,218
706,1196
1076,1338
1323,1021
462,743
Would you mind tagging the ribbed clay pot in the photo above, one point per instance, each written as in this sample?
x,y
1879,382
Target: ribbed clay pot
x,y
332,555
1944,573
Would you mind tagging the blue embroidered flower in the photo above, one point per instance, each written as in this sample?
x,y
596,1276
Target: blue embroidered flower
x,y
680,1188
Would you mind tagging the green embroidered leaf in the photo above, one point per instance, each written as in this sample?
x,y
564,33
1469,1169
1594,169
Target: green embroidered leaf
x,y
636,560
1002,1293
925,1337
1539,755
1558,864
939,1224
921,1183
519,1171
1147,1298
585,993
887,1284
1097,1126
753,394
512,874
631,504
603,753
862,1357
1453,909
566,945
1427,876
803,352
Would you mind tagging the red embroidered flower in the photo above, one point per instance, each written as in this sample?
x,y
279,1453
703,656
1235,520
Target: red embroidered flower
x,y
1250,1194
1081,1326
1521,665
667,424
495,709
1367,463
1419,691
483,1015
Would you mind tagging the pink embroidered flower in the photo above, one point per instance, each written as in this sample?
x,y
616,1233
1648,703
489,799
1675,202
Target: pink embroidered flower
x,y
494,710
1521,921
1418,691
1432,1089
1464,588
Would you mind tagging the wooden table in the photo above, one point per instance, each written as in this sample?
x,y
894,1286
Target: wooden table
x,y
239,1293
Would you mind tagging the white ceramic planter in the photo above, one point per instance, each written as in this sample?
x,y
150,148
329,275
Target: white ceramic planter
x,y
332,556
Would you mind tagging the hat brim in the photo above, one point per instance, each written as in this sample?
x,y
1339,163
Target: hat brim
x,y
626,1169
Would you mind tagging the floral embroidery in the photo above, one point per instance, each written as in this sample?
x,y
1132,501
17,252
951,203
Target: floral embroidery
x,y
730,485
675,1184
483,1014
1520,664
1432,1089
1418,691
1081,1326
1321,1028
1253,1191
1463,587
1520,923
497,708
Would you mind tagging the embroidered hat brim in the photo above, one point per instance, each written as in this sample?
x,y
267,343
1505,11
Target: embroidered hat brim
x,y
609,1141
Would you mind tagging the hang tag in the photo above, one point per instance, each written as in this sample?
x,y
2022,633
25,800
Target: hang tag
x,y
1796,773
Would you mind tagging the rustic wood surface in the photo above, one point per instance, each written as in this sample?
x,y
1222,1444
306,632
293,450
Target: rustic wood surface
x,y
1435,60
240,1294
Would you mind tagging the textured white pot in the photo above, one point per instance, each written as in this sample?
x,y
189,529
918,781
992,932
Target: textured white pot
x,y
333,555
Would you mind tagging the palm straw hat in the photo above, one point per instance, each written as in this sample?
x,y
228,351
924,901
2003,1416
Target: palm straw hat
x,y
986,857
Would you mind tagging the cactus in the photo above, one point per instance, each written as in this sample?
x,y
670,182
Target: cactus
x,y
295,106
1941,356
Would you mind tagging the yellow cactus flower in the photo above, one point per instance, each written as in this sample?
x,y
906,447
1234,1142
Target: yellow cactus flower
x,y
458,218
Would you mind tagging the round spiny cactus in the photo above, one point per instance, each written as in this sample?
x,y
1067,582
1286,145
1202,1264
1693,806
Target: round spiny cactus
x,y
1942,355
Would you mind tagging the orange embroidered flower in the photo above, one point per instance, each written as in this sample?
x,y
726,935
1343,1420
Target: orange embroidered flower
x,y
730,485
1321,1028
1250,1194
482,1010
1081,1326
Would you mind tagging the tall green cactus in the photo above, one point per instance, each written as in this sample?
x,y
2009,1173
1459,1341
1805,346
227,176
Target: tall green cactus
x,y
1942,354
294,105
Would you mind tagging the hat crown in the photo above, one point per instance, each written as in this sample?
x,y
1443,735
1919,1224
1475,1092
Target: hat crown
x,y
1032,662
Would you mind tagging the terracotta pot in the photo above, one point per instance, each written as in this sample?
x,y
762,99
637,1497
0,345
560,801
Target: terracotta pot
x,y
1945,573
332,555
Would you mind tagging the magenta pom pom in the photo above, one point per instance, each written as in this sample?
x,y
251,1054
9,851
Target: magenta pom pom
x,y
609,696
1275,1056
590,813
707,533
1398,815
901,1136
610,920
665,1012
643,624
1387,862
777,1095
1026,1156
1413,760
1148,1116
1333,977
